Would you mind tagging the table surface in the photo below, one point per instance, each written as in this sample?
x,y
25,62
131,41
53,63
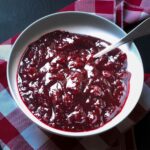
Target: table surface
x,y
17,14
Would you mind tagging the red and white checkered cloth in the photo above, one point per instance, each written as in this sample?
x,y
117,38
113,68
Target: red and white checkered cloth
x,y
18,132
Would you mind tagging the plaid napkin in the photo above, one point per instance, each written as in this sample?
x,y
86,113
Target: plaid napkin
x,y
18,132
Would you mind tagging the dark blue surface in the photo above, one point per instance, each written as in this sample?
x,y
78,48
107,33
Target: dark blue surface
x,y
15,15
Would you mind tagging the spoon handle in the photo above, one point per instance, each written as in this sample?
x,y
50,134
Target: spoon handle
x,y
139,31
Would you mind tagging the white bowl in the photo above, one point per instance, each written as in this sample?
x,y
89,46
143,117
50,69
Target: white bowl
x,y
83,23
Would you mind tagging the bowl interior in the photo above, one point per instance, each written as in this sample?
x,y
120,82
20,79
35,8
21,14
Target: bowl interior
x,y
87,24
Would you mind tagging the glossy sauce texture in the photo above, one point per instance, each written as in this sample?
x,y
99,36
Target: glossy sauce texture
x,y
66,88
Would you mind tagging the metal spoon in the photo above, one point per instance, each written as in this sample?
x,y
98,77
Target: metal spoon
x,y
141,30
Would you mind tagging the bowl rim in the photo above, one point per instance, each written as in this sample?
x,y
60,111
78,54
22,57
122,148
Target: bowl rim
x,y
58,131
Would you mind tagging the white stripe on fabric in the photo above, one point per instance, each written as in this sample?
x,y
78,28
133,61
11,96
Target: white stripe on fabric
x,y
4,146
7,104
108,16
1,87
144,15
94,143
145,4
5,51
85,5
122,13
19,120
34,136
115,12
132,16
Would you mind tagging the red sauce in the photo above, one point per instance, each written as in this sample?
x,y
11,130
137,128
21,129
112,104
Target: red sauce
x,y
66,88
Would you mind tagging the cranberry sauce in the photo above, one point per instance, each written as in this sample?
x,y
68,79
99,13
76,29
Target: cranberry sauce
x,y
66,88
